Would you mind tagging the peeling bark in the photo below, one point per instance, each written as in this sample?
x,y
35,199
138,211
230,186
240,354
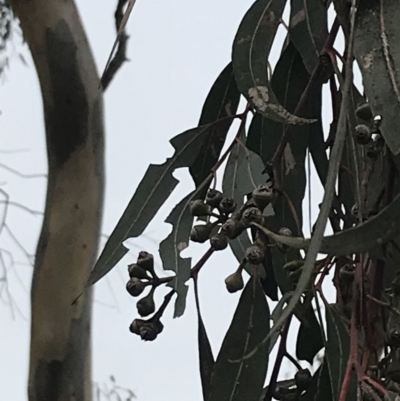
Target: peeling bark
x,y
60,332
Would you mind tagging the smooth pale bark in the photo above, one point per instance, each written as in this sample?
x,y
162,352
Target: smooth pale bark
x,y
73,109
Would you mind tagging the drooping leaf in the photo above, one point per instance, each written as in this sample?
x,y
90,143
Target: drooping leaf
x,y
289,81
206,358
365,237
154,189
275,315
234,378
222,101
250,53
309,340
337,348
308,29
376,38
242,174
171,247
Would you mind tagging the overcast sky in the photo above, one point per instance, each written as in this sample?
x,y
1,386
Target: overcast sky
x,y
177,49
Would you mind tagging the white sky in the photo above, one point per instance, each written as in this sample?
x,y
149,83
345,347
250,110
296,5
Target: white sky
x,y
177,49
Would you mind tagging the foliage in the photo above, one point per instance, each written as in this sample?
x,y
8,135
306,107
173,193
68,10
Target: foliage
x,y
259,214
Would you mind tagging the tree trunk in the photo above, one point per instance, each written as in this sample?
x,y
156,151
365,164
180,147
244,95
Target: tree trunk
x,y
60,368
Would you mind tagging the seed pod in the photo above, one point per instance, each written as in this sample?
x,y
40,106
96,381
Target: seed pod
x,y
150,330
232,228
135,270
252,215
254,254
262,196
219,241
372,151
201,232
146,261
393,338
135,286
364,112
146,306
363,134
136,325
198,208
213,198
303,379
234,282
287,232
227,205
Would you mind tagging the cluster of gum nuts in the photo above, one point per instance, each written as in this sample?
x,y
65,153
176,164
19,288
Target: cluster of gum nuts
x,y
141,275
230,222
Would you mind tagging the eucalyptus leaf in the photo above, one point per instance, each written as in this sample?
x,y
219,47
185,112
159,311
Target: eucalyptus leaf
x,y
170,249
308,30
289,81
337,352
365,237
376,39
250,53
309,340
243,173
221,102
235,378
153,190
206,359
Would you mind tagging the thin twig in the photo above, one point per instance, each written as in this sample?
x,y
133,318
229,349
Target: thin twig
x,y
114,63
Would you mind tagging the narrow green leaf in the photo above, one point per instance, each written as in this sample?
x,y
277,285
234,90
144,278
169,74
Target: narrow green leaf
x,y
376,38
221,102
337,349
238,381
206,359
365,237
170,249
243,173
289,81
309,340
316,240
154,189
250,53
308,29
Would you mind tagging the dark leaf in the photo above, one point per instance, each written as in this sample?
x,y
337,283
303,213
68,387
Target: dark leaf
x,y
337,349
320,386
289,81
206,358
309,340
308,29
234,378
250,52
154,189
276,313
170,249
222,101
376,38
365,237
243,173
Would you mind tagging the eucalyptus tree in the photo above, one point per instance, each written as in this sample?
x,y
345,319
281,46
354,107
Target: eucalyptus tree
x,y
256,212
